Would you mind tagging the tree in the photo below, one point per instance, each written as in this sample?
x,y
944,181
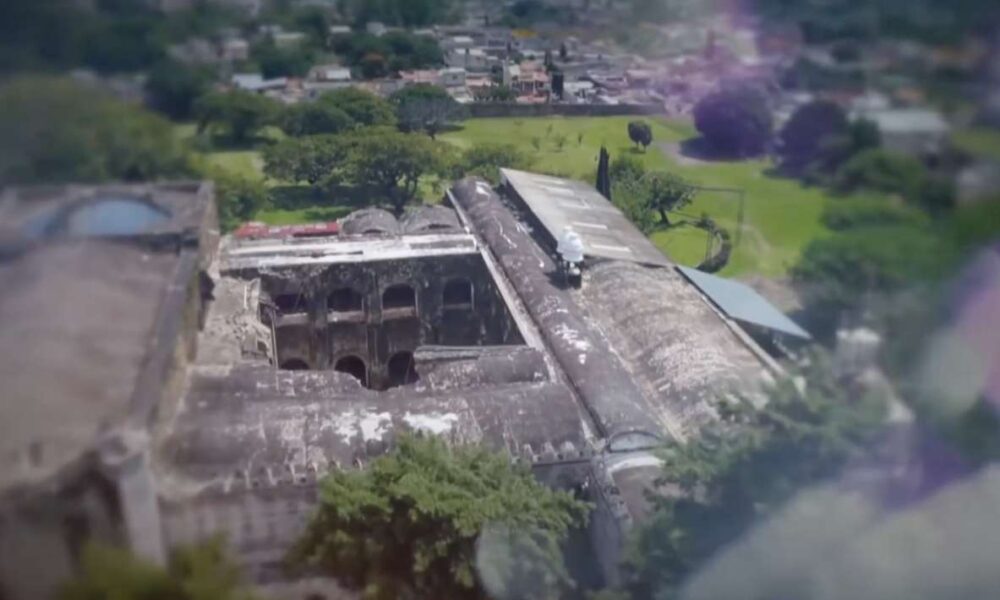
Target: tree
x,y
667,192
316,159
810,128
425,107
172,88
195,573
238,114
238,199
604,173
313,118
842,271
56,130
398,50
884,171
392,162
406,13
428,521
640,133
632,198
374,65
558,83
486,160
626,169
746,467
364,108
735,120
282,62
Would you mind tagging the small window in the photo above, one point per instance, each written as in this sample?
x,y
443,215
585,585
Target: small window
x,y
399,296
401,369
294,364
290,303
345,300
458,292
352,365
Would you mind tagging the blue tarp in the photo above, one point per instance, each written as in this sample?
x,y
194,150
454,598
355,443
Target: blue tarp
x,y
741,303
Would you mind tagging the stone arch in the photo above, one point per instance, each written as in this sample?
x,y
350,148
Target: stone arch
x,y
400,295
354,366
345,299
400,370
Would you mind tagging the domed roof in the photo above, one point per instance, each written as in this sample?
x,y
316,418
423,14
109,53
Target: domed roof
x,y
369,221
434,218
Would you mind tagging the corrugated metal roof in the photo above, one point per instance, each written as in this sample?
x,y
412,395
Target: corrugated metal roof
x,y
741,303
605,231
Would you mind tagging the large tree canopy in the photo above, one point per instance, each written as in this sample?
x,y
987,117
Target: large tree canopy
x,y
409,13
313,118
425,107
364,108
428,521
391,163
57,130
238,114
810,131
486,160
735,120
744,468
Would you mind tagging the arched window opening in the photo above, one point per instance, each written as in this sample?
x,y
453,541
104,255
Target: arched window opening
x,y
290,303
399,296
458,293
345,300
354,366
401,369
295,364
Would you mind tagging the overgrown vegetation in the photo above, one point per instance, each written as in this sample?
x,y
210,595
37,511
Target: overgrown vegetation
x,y
200,572
744,468
56,130
431,521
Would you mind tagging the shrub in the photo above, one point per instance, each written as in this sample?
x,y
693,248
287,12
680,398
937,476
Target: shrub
x,y
884,171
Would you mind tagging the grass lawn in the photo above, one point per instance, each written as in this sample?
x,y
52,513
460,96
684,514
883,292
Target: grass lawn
x,y
980,143
781,216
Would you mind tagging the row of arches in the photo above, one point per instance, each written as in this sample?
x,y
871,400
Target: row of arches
x,y
457,292
400,369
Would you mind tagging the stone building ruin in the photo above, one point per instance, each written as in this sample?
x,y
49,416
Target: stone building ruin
x,y
206,384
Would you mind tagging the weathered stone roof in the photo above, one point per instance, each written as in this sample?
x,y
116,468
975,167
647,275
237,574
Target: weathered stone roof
x,y
369,221
245,427
601,379
431,219
647,354
681,352
79,320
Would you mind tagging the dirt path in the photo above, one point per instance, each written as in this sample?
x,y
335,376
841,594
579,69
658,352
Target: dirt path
x,y
673,151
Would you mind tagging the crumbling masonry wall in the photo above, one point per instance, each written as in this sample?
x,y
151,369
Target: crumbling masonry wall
x,y
380,312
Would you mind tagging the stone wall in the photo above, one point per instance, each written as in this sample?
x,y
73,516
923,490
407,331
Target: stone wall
x,y
392,308
501,109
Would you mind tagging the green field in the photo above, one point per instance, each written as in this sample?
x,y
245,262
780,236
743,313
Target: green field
x,y
781,216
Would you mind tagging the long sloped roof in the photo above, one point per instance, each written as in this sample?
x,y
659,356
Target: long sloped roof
x,y
605,231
